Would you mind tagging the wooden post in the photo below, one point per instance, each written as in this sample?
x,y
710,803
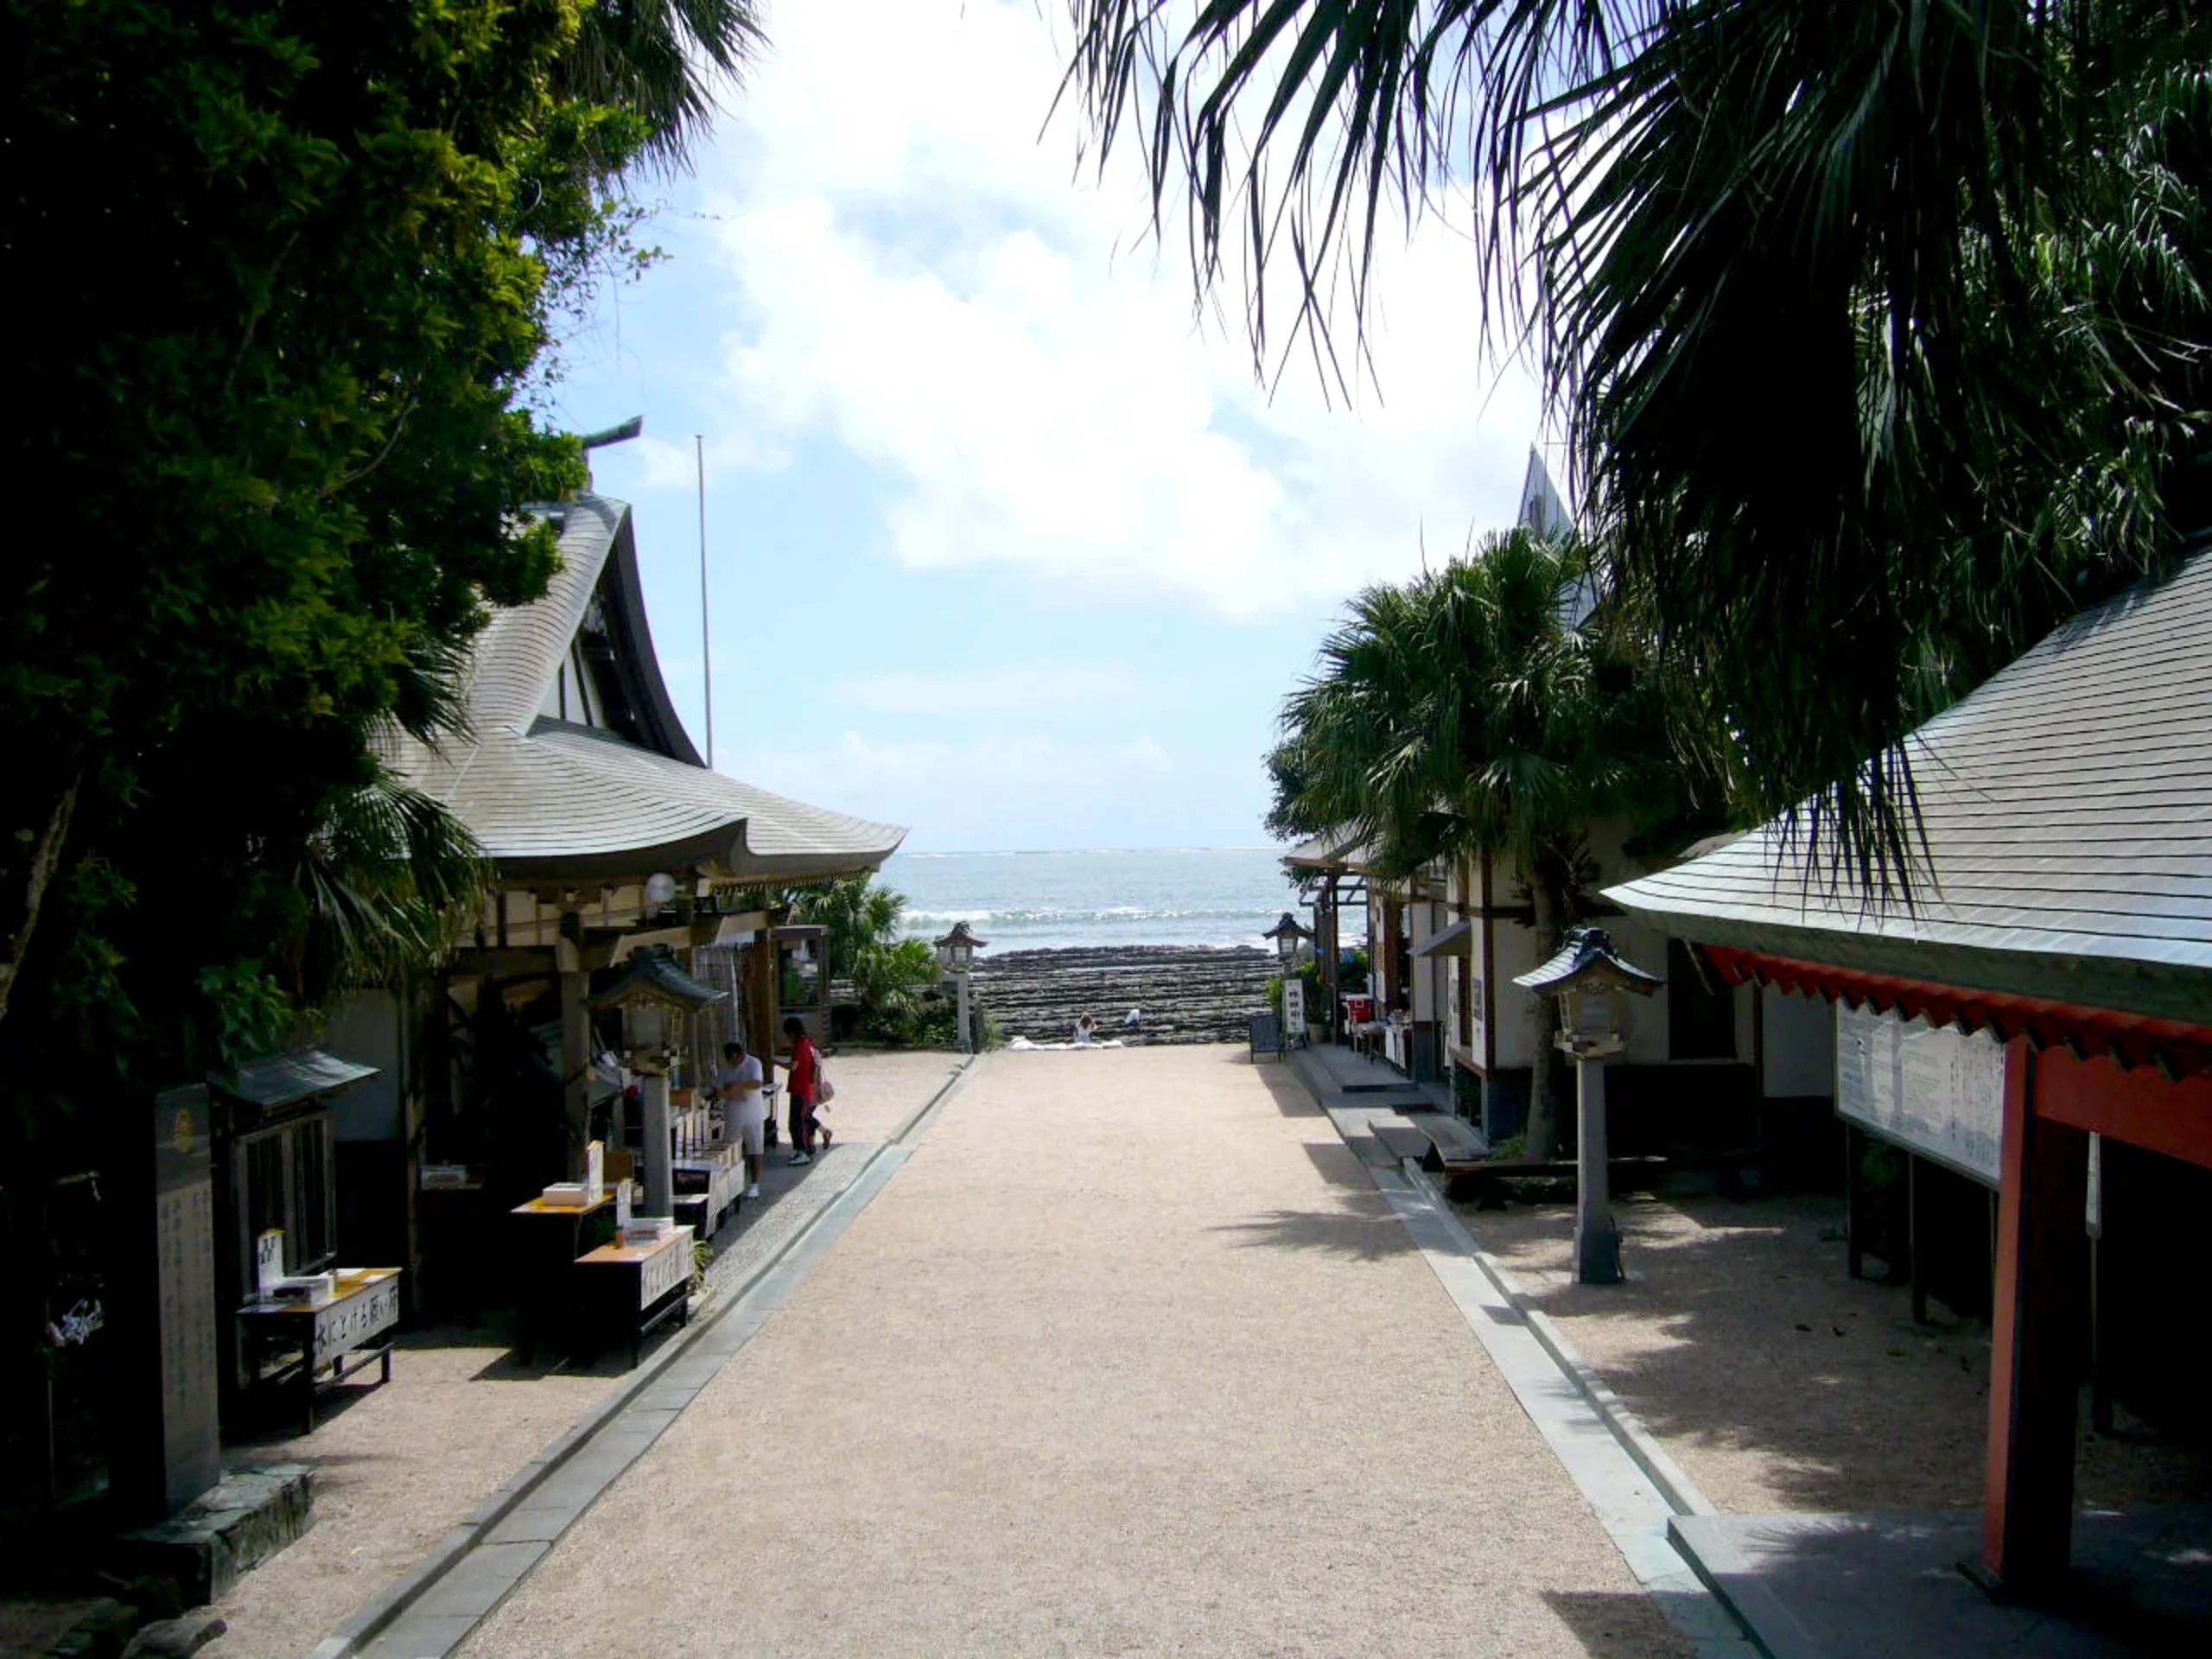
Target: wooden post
x,y
660,1190
760,1002
1912,1240
576,1039
2037,1328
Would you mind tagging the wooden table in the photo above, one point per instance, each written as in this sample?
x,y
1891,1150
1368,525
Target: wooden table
x,y
547,1238
355,1322
707,1190
632,1287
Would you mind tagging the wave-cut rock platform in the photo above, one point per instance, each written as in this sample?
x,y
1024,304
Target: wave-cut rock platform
x,y
1188,994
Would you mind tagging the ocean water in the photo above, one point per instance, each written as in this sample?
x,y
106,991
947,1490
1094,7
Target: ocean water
x,y
1023,901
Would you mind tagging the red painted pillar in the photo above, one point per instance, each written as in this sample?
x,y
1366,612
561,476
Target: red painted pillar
x,y
2040,1323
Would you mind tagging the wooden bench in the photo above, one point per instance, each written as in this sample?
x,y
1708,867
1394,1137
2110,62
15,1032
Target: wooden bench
x,y
1455,1144
1475,1181
1398,1138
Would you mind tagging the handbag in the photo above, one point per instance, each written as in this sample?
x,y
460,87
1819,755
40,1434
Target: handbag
x,y
824,1090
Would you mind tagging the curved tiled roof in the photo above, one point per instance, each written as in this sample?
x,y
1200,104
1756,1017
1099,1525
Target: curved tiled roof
x,y
553,800
2067,809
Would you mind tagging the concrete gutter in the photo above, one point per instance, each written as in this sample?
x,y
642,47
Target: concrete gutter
x,y
456,1584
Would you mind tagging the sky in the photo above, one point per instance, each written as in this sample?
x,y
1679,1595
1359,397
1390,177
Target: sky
x,y
1007,543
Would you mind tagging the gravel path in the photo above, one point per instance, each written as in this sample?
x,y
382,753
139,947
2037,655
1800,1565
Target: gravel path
x,y
1129,1358
396,1468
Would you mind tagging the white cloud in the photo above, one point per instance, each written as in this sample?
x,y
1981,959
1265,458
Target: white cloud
x,y
923,282
1001,788
1146,755
1068,687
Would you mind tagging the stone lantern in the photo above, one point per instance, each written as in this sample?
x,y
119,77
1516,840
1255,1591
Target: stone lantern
x,y
1290,937
1593,985
955,955
656,999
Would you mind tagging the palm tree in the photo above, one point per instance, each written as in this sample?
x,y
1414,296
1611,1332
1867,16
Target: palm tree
x,y
387,879
660,60
1477,708
888,973
1883,332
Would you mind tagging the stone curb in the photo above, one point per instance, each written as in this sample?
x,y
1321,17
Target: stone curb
x,y
1772,1629
1680,1491
369,1620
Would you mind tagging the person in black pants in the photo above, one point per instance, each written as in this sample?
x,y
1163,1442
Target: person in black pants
x,y
804,1084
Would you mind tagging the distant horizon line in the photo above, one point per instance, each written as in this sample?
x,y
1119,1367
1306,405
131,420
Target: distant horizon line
x,y
1069,852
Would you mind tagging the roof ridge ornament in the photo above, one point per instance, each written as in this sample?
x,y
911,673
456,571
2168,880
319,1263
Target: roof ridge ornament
x,y
621,433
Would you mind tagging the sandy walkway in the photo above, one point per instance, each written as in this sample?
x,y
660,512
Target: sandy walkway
x,y
1128,1358
878,1091
396,1468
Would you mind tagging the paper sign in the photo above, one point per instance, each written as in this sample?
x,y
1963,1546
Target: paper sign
x,y
1938,1092
268,1260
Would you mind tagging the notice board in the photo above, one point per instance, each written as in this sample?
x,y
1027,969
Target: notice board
x,y
1939,1093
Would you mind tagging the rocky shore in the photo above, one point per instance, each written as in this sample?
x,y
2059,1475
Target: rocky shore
x,y
1189,993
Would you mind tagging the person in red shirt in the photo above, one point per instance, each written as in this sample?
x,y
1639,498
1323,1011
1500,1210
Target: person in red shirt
x,y
804,1084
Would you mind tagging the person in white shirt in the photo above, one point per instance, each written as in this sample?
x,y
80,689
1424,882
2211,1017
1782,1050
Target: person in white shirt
x,y
1086,1028
739,1082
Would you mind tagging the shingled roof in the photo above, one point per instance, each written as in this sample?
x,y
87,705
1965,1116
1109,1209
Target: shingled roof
x,y
1340,850
554,799
2067,806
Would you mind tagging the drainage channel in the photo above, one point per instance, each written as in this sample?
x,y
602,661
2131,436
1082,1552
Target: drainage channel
x,y
432,1608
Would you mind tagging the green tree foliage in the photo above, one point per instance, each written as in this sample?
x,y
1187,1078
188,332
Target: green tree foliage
x,y
287,267
660,58
1881,330
1490,706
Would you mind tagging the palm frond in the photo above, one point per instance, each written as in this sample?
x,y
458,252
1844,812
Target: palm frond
x,y
385,880
1879,331
663,59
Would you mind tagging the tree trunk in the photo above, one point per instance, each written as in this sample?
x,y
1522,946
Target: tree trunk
x,y
37,874
1541,1139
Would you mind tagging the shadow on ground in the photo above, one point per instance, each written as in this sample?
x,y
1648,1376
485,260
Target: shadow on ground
x,y
1362,1228
1870,1586
1613,1623
1337,1165
1281,1083
1782,1382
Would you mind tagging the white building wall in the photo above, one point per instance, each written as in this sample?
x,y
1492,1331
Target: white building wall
x,y
1799,1043
1424,923
370,1026
1517,949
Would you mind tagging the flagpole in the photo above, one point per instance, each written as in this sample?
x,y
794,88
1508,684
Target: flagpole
x,y
706,638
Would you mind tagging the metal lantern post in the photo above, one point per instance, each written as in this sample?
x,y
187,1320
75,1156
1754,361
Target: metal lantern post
x,y
1593,985
956,954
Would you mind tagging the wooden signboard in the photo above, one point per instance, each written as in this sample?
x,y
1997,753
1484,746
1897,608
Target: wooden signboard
x,y
1938,1093
1294,1012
